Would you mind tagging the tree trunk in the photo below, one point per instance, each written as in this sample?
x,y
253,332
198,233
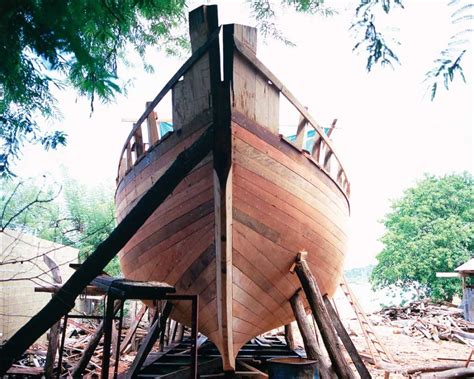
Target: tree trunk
x,y
63,301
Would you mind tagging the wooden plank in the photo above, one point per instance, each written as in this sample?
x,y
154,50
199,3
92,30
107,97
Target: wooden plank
x,y
271,169
156,165
168,230
290,235
290,152
329,230
286,202
182,70
138,137
196,182
294,162
186,232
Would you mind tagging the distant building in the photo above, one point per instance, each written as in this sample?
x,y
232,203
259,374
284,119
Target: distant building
x,y
25,263
466,271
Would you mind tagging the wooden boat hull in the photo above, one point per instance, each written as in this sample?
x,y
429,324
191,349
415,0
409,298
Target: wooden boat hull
x,y
232,228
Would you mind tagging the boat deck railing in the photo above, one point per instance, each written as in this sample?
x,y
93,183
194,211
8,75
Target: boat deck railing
x,y
321,152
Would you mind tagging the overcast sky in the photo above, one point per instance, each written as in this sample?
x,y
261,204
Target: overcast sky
x,y
390,133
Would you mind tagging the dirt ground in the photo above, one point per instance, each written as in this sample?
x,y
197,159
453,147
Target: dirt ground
x,y
408,350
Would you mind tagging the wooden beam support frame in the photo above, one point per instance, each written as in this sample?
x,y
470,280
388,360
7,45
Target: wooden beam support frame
x,y
346,340
64,299
154,333
310,342
315,300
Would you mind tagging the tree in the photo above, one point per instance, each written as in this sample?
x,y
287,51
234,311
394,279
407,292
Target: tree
x,y
73,215
430,229
50,43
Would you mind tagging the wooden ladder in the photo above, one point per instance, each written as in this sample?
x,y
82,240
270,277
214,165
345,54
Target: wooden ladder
x,y
377,350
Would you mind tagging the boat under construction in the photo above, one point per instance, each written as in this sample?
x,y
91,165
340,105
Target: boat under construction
x,y
230,231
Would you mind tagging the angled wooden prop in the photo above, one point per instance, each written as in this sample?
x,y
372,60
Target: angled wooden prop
x,y
63,301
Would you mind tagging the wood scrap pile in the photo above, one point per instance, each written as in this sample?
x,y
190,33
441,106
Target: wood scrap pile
x,y
424,319
30,364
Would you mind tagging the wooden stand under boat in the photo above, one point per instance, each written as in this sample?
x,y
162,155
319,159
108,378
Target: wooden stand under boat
x,y
231,229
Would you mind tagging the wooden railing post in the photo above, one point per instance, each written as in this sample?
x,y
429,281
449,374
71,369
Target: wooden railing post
x,y
152,125
138,142
300,131
315,300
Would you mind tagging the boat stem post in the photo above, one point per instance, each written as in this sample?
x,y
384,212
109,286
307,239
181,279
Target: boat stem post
x,y
315,300
311,345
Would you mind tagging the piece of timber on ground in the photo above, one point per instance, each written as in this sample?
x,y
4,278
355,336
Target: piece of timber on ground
x,y
231,229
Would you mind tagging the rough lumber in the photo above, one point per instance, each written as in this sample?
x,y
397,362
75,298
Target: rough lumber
x,y
131,331
78,370
60,304
322,318
453,373
150,339
311,345
346,340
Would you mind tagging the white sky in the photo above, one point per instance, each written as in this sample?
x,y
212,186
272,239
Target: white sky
x,y
390,132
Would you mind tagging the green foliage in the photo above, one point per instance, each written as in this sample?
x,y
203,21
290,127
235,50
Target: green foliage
x,y
45,43
430,229
73,215
450,61
378,50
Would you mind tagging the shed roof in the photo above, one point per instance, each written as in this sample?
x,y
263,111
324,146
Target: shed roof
x,y
467,267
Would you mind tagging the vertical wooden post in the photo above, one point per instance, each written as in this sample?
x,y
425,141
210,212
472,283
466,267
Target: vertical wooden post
x,y
289,338
309,338
300,132
179,333
53,342
152,127
138,142
346,340
322,318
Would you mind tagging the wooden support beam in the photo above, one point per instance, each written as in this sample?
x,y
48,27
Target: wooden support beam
x,y
311,345
78,370
63,301
179,333
315,300
346,340
150,339
133,328
53,342
289,337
